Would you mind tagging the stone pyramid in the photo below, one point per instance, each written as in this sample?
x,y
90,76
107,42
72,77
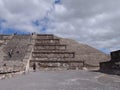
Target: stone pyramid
x,y
47,51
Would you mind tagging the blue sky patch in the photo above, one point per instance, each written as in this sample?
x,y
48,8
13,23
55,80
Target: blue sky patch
x,y
36,22
2,21
43,24
12,31
105,50
57,1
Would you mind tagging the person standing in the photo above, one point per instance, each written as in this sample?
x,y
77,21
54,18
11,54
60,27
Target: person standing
x,y
34,67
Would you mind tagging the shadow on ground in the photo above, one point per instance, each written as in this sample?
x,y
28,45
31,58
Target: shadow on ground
x,y
110,72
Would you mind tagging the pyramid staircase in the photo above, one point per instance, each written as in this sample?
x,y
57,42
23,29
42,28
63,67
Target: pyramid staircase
x,y
19,45
50,53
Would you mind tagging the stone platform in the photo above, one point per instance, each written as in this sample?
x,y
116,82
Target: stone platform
x,y
62,80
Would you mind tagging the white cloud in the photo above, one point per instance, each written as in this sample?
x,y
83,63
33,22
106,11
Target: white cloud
x,y
59,9
19,14
95,22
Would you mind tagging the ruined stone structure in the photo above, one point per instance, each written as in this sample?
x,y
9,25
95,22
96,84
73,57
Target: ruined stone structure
x,y
113,65
47,52
115,56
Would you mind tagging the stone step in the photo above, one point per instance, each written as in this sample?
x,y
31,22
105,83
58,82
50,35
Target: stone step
x,y
45,36
51,50
47,41
53,54
55,61
59,64
37,44
50,47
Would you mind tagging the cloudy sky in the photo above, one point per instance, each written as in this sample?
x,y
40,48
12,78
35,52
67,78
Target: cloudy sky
x,y
94,22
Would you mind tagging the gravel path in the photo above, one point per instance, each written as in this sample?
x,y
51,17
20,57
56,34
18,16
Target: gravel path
x,y
62,80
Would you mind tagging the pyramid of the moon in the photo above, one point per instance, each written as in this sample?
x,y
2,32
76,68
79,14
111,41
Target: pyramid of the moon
x,y
20,52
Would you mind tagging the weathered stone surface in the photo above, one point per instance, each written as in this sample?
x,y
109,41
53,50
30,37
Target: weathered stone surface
x,y
17,45
86,53
62,80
